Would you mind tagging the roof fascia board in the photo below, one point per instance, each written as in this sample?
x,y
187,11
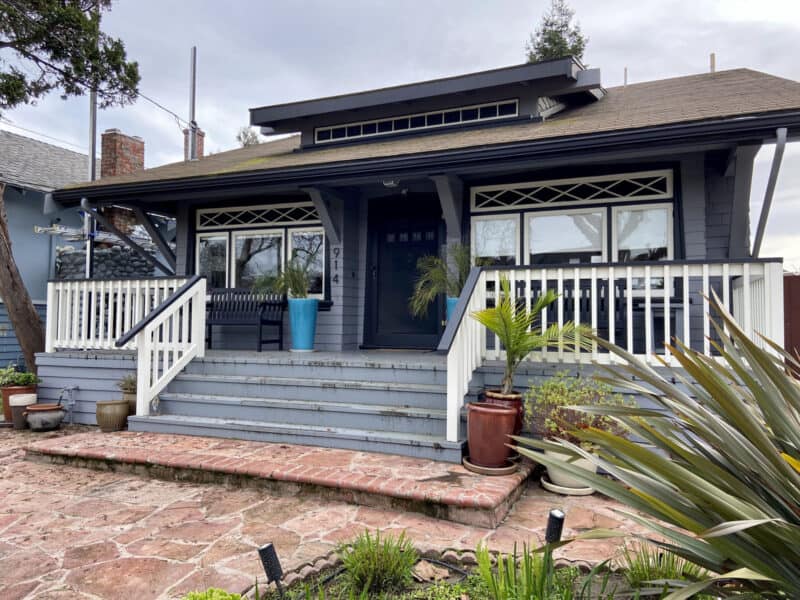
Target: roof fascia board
x,y
757,129
566,68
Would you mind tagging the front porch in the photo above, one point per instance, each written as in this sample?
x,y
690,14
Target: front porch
x,y
396,402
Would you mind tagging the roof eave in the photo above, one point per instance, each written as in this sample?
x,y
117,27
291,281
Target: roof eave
x,y
734,129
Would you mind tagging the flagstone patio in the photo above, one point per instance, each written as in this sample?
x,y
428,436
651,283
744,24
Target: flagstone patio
x,y
73,532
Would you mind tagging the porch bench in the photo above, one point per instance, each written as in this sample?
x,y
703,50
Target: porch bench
x,y
241,306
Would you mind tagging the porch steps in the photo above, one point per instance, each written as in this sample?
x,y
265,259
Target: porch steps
x,y
354,401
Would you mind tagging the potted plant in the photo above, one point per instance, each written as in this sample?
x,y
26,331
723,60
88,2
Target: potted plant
x,y
437,275
15,381
294,282
550,414
127,386
519,333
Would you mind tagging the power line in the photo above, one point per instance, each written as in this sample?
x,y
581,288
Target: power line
x,y
180,120
39,133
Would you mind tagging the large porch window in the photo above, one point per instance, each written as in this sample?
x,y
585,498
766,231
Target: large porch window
x,y
566,237
247,243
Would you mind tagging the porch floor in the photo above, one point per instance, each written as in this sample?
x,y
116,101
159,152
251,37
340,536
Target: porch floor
x,y
434,488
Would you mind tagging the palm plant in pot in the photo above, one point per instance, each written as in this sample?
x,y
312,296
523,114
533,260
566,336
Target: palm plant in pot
x,y
294,282
550,413
519,332
441,275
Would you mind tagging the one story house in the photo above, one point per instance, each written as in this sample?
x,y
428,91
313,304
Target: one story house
x,y
631,202
30,169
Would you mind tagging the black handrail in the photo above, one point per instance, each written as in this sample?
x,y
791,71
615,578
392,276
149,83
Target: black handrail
x,y
459,312
171,299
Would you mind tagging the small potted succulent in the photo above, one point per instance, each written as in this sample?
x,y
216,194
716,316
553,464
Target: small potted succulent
x,y
550,413
127,386
519,333
14,381
440,275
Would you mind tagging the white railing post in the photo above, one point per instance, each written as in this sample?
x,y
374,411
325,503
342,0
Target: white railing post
x,y
773,284
51,318
143,366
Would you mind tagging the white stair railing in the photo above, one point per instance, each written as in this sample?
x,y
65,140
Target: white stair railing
x,y
167,340
90,314
463,342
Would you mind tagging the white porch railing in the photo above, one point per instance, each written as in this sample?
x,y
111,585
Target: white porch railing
x,y
87,314
167,340
638,306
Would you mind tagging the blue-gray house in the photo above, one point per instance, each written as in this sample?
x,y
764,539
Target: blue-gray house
x,y
631,202
30,169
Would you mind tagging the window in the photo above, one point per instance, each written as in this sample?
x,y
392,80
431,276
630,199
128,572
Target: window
x,y
566,237
496,238
438,118
308,247
256,254
212,258
642,232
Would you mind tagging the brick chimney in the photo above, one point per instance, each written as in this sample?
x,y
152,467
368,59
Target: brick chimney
x,y
201,135
120,154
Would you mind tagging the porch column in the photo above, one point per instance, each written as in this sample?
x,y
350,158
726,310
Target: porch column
x,y
451,196
338,329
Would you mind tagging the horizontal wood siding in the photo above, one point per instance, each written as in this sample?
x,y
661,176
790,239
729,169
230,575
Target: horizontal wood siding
x,y
95,375
10,352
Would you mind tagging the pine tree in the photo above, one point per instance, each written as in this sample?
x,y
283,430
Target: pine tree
x,y
556,36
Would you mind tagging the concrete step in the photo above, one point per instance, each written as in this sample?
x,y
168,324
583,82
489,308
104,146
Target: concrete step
x,y
311,388
406,444
342,367
303,412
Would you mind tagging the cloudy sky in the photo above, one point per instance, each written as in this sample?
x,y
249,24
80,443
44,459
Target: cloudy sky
x,y
257,52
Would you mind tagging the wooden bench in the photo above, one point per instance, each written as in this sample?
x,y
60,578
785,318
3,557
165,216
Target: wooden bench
x,y
238,306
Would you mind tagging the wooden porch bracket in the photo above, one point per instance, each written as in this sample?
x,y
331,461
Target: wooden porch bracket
x,y
450,190
780,146
124,238
155,235
321,197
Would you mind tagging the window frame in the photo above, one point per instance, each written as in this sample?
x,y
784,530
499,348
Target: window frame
x,y
670,206
261,232
496,217
219,235
557,212
290,250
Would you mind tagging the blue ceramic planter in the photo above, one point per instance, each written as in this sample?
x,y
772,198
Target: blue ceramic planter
x,y
451,306
303,323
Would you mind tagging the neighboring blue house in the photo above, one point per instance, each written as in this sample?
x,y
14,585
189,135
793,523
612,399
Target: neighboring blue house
x,y
30,169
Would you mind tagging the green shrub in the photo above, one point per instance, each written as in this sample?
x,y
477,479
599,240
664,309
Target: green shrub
x,y
127,384
212,594
549,412
723,464
378,563
10,376
648,563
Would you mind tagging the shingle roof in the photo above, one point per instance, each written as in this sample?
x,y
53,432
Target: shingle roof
x,y
33,164
703,97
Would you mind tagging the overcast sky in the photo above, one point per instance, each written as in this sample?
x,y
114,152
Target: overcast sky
x,y
253,53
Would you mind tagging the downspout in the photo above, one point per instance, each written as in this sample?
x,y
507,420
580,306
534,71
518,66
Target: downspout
x,y
780,146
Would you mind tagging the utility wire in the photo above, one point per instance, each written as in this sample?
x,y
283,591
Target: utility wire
x,y
180,120
39,133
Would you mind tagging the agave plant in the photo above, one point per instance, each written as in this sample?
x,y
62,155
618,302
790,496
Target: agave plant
x,y
519,331
721,480
439,275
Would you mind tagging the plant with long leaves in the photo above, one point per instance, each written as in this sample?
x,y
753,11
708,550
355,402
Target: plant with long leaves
x,y
723,466
519,330
440,275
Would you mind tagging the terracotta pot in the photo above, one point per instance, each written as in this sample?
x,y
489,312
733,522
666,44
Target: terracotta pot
x,y
10,391
512,400
130,398
112,415
488,428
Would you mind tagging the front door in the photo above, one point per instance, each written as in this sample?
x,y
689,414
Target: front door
x,y
401,230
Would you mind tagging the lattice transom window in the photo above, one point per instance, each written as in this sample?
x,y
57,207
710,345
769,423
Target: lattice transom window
x,y
646,185
249,216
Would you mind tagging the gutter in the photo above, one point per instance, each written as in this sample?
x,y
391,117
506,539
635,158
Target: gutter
x,y
727,130
777,158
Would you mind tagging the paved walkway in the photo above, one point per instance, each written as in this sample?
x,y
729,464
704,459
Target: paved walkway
x,y
438,489
69,532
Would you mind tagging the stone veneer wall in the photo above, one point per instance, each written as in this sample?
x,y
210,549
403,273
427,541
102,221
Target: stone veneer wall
x,y
109,263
